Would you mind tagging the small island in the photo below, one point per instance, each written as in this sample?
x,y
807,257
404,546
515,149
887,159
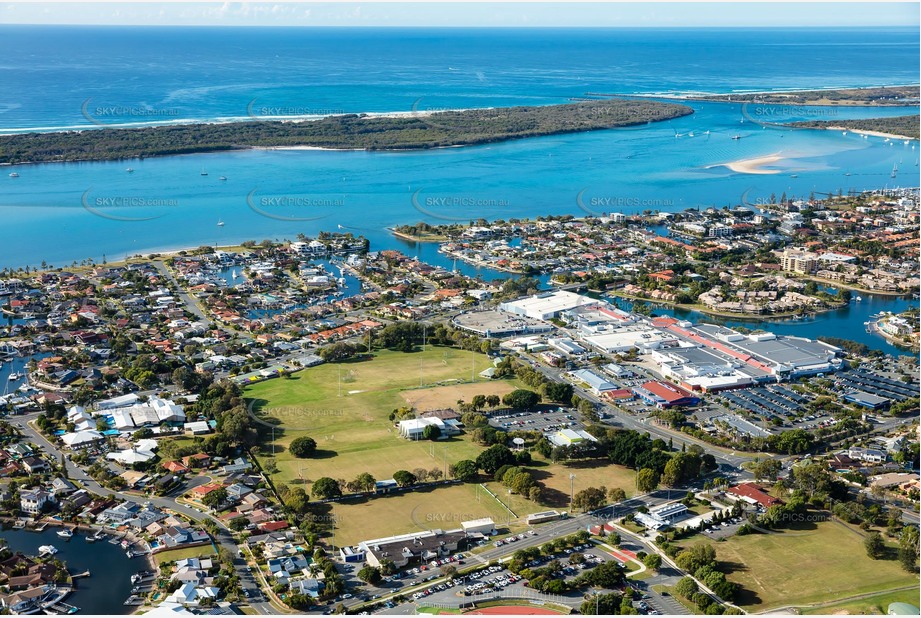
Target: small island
x,y
900,127
415,131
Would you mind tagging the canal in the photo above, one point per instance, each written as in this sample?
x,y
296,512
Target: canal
x,y
109,584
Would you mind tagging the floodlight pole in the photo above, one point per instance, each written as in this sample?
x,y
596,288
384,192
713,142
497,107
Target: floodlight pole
x,y
571,486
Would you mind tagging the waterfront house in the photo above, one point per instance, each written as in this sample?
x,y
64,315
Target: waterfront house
x,y
34,501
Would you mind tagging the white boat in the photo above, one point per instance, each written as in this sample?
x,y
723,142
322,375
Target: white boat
x,y
203,172
223,178
14,376
130,170
48,549
14,175
234,274
65,533
341,281
220,223
858,299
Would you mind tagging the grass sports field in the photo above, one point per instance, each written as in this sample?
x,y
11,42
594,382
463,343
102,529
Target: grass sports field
x,y
447,396
816,563
345,408
444,508
555,479
348,416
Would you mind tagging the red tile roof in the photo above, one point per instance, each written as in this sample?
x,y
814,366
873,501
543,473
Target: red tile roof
x,y
753,492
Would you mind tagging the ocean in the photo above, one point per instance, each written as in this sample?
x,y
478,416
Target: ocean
x,y
92,77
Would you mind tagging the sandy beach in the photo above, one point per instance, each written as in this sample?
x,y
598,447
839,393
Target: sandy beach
x,y
871,133
754,166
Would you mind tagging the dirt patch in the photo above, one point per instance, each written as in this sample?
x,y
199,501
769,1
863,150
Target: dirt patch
x,y
440,397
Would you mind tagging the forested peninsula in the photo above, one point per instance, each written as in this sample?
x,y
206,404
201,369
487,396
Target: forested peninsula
x,y
415,131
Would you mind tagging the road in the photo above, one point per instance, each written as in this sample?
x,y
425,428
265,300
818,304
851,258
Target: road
x,y
618,418
77,473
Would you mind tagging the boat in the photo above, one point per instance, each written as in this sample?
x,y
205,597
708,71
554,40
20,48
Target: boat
x,y
223,178
234,274
130,170
736,137
90,539
47,549
220,223
65,533
858,299
203,172
14,175
794,175
14,376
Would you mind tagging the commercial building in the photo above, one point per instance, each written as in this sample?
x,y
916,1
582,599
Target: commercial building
x,y
664,395
595,382
867,400
407,548
546,306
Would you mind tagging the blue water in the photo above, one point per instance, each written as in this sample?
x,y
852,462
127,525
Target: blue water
x,y
49,73
109,584
93,76
846,323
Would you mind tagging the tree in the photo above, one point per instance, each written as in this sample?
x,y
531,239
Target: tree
x,y
404,478
521,399
370,575
671,475
465,470
494,458
653,562
296,500
646,480
364,482
602,605
616,494
908,548
303,447
431,432
215,498
325,488
589,499
695,557
766,469
686,587
874,545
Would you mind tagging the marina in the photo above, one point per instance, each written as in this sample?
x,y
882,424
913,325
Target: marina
x,y
103,573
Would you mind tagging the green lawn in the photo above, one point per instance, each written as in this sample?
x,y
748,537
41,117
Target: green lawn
x,y
348,419
171,555
877,604
815,563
